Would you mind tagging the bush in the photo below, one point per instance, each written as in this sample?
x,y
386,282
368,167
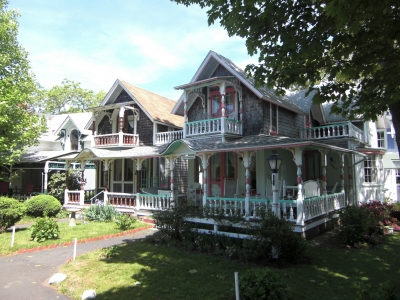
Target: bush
x,y
42,205
261,284
170,221
124,222
274,238
101,213
44,229
11,211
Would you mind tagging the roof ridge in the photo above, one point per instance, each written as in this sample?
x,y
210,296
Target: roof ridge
x,y
147,91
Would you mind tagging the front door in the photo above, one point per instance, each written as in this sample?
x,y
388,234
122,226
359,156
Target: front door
x,y
123,176
222,166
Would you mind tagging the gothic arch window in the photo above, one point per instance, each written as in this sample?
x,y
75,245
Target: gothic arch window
x,y
74,138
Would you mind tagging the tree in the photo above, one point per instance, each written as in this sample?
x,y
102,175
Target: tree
x,y
20,127
346,51
68,97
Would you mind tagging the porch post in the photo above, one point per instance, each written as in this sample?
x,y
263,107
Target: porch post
x,y
46,174
342,172
121,126
82,191
350,194
323,165
171,168
222,92
185,119
298,159
204,161
246,163
66,195
106,167
138,168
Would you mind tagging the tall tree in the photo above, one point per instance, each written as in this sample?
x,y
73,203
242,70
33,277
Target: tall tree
x,y
68,97
347,51
19,126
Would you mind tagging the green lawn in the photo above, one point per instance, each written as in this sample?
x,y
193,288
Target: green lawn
x,y
67,234
144,270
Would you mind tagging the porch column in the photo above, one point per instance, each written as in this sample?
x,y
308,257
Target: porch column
x,y
222,92
298,159
82,191
350,195
106,168
240,106
185,119
67,167
46,174
324,177
121,126
171,169
246,164
204,161
342,172
138,168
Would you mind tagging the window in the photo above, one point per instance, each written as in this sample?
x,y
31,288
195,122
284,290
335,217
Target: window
x,y
369,169
274,119
381,139
74,140
215,102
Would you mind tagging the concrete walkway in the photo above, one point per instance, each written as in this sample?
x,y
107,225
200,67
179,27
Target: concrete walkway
x,y
25,276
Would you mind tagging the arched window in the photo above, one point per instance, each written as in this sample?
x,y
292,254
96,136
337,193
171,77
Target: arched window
x,y
74,137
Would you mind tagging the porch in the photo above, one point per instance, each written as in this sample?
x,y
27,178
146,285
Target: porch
x,y
304,213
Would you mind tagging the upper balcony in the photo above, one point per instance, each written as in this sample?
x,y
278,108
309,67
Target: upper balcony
x,y
333,131
202,128
119,139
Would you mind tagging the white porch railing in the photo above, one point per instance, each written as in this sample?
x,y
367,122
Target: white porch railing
x,y
168,137
309,208
116,139
153,202
333,131
214,126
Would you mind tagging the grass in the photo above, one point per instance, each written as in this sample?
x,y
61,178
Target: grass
x,y
142,270
67,234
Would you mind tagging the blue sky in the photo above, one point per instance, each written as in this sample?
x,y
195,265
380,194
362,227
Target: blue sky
x,y
153,44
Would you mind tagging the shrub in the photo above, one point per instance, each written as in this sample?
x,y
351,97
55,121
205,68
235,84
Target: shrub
x,y
124,222
11,211
355,224
101,213
261,284
42,205
170,221
274,238
44,229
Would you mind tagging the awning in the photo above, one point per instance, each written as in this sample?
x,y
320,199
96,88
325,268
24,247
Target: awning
x,y
387,160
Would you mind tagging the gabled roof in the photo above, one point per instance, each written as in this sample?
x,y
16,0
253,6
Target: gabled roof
x,y
79,120
210,64
156,107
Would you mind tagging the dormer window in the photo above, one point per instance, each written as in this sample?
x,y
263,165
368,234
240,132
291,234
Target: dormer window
x,y
74,137
215,102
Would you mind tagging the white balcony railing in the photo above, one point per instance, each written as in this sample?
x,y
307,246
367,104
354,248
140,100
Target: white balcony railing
x,y
214,126
168,137
116,139
333,131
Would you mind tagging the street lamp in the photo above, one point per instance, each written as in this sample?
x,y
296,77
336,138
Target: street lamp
x,y
274,163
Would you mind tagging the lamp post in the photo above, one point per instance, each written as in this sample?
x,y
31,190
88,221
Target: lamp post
x,y
274,163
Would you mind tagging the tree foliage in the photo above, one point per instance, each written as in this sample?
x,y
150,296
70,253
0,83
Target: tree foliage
x,y
19,126
346,51
68,97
